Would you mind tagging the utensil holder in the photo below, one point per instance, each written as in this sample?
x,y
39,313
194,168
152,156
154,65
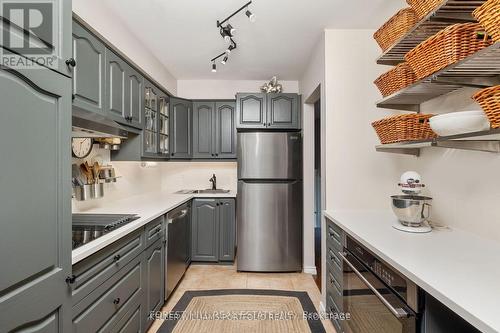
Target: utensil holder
x,y
98,190
83,193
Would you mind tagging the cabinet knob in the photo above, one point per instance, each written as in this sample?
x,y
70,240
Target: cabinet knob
x,y
268,124
71,279
116,300
172,154
117,257
71,62
216,154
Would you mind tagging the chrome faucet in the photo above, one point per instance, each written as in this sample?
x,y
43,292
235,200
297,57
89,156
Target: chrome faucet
x,y
213,180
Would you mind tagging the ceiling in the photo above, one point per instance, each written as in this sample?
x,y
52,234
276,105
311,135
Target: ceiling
x,y
183,34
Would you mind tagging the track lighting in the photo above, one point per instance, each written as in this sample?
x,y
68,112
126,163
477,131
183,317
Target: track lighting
x,y
229,49
250,15
227,32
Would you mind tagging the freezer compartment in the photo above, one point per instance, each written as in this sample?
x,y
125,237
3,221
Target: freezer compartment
x,y
269,217
269,155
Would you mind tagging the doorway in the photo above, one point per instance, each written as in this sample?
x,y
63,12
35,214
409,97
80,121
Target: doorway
x,y
317,191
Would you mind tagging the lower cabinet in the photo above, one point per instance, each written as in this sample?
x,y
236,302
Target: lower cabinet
x,y
117,288
334,273
154,260
213,230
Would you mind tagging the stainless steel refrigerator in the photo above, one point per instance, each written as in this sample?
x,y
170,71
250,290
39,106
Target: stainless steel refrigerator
x,y
269,210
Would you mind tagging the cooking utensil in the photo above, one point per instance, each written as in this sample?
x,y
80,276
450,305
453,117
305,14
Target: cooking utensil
x,y
95,170
85,169
411,210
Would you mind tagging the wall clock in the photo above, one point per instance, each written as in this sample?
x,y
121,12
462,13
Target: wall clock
x,y
81,147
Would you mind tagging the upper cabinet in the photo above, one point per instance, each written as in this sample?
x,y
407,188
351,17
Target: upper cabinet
x,y
181,115
51,38
268,111
214,129
124,91
89,71
150,134
251,110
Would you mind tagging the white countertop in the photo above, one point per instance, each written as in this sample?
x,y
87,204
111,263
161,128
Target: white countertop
x,y
459,269
147,206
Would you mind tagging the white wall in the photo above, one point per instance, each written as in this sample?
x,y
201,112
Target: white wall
x,y
225,89
104,21
312,79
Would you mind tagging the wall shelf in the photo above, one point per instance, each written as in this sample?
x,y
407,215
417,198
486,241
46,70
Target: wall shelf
x,y
486,141
480,70
449,12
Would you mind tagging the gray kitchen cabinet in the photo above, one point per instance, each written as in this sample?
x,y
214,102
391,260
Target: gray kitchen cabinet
x,y
154,260
268,111
205,236
163,125
89,71
58,39
203,129
225,129
124,98
150,133
283,111
227,229
35,240
116,87
213,230
251,110
214,129
181,114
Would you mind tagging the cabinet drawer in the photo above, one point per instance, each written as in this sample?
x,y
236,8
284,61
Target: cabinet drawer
x,y
111,302
154,231
334,288
334,261
334,235
132,320
93,271
333,309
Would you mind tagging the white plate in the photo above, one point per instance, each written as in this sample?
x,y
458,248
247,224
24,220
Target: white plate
x,y
459,123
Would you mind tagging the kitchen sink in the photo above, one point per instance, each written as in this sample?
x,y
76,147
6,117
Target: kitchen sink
x,y
207,191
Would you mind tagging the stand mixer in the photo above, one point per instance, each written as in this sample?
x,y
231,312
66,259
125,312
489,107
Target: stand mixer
x,y
411,209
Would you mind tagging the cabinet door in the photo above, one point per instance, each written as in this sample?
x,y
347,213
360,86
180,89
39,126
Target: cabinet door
x,y
251,110
227,229
135,95
181,128
203,129
163,124
225,130
117,94
51,39
205,236
150,133
89,72
35,239
154,258
283,111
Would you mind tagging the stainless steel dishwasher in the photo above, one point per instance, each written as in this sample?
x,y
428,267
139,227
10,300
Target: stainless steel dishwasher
x,y
178,244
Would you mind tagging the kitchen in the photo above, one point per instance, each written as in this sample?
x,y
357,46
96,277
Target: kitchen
x,y
175,182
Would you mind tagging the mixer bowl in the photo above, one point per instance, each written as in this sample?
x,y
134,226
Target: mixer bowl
x,y
411,210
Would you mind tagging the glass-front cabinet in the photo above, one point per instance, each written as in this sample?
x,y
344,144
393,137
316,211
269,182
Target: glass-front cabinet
x,y
156,111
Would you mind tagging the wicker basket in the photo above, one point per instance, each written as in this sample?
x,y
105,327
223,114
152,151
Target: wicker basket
x,y
396,79
488,15
448,46
395,28
406,127
489,99
424,7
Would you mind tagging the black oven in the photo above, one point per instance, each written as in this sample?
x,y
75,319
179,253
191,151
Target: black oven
x,y
377,298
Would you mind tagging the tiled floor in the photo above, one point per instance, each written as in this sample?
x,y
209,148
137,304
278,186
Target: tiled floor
x,y
204,277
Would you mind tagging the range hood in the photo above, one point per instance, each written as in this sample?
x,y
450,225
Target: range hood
x,y
92,125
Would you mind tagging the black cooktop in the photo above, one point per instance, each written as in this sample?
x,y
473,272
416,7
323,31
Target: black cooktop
x,y
87,227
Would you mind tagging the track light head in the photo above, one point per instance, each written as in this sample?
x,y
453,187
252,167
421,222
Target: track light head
x,y
224,60
250,15
214,68
230,29
229,49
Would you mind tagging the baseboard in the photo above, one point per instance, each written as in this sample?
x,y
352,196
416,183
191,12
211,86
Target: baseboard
x,y
310,270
